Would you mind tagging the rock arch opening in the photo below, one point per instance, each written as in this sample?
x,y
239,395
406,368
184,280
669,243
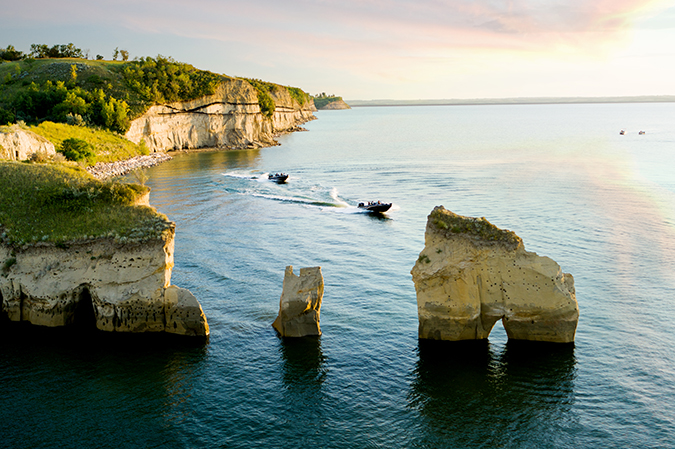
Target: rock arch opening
x,y
84,316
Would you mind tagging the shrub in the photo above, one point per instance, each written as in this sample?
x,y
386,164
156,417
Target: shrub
x,y
77,150
6,117
267,106
38,157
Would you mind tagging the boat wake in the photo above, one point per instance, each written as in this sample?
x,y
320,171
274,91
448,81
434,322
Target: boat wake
x,y
256,184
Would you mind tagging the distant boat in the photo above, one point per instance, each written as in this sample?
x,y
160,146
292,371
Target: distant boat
x,y
278,177
641,132
622,132
375,206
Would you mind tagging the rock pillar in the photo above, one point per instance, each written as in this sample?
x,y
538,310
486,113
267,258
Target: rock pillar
x,y
300,303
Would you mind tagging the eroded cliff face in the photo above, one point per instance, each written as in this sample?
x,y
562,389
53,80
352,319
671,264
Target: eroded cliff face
x,y
230,118
114,286
17,144
471,274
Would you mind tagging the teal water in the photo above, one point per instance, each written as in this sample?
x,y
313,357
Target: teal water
x,y
600,204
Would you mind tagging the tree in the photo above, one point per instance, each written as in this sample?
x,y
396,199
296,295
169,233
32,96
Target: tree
x,y
39,51
116,53
125,55
10,54
77,150
99,57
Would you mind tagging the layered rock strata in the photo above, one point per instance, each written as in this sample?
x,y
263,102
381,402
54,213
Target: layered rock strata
x,y
471,274
230,118
300,304
17,144
114,286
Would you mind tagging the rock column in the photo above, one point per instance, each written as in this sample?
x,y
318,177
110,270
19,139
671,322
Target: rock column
x,y
300,304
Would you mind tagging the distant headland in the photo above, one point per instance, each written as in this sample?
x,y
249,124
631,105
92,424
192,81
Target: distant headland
x,y
519,100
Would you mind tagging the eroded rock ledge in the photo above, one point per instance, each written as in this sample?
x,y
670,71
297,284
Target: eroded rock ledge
x,y
230,119
471,274
113,285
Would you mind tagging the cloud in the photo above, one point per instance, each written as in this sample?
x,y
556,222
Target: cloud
x,y
379,41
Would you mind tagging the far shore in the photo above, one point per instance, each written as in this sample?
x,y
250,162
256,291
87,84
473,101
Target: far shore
x,y
515,101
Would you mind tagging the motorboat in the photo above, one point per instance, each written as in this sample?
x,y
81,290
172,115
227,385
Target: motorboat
x,y
375,206
278,177
622,132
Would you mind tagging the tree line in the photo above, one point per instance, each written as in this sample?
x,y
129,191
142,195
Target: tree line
x,y
41,51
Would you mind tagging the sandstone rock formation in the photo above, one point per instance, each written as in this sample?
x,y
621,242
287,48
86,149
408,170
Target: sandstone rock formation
x,y
112,285
300,303
230,118
471,274
17,144
335,105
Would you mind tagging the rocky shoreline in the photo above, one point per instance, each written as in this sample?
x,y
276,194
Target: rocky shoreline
x,y
119,168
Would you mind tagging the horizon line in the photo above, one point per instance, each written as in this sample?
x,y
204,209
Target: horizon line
x,y
515,100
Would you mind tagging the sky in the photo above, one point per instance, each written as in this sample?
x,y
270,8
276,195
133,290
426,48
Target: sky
x,y
380,49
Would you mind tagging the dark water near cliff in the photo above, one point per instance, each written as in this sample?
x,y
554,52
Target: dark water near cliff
x,y
560,176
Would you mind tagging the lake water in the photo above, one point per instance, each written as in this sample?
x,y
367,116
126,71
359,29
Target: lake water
x,y
600,204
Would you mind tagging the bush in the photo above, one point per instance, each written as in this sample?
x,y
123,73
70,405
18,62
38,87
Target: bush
x,y
6,117
77,150
39,51
267,106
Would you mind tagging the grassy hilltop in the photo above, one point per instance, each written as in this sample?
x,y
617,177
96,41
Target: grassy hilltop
x,y
58,203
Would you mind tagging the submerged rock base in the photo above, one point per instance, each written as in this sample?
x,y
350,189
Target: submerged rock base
x,y
300,304
471,274
114,286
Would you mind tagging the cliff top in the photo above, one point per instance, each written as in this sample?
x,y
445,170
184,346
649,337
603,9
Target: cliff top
x,y
480,230
59,203
321,101
108,94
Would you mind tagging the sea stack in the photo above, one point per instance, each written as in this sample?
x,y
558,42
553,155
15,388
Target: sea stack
x,y
471,274
300,304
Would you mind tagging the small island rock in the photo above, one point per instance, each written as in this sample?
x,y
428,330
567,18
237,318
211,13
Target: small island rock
x,y
300,304
471,274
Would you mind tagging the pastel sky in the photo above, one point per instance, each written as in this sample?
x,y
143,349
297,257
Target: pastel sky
x,y
381,49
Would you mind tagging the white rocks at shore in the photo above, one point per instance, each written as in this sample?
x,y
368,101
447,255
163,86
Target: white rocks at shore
x,y
109,170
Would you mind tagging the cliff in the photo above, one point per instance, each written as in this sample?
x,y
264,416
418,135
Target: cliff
x,y
230,118
114,286
17,144
338,104
324,101
471,274
77,251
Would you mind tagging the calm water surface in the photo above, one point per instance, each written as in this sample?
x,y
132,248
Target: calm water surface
x,y
600,204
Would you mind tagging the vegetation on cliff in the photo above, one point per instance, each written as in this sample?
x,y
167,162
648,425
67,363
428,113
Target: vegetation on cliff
x,y
55,83
265,101
59,203
444,221
323,99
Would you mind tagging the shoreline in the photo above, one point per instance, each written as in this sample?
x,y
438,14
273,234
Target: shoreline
x,y
107,170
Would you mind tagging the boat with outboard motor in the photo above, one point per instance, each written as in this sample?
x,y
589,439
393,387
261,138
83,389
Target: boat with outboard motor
x,y
278,177
375,206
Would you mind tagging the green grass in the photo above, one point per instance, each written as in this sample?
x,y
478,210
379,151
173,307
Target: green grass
x,y
108,146
60,203
320,102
